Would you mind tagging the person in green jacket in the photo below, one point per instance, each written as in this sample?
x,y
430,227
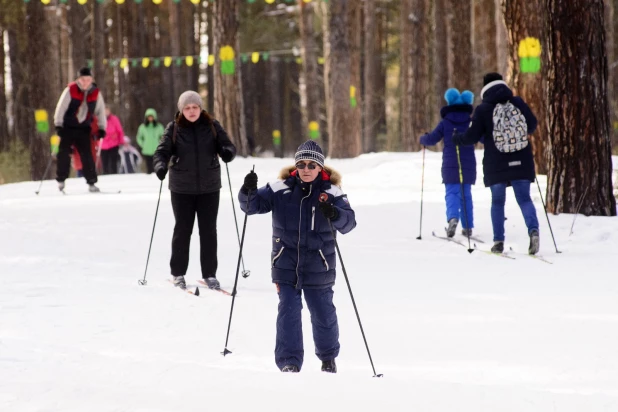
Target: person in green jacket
x,y
148,135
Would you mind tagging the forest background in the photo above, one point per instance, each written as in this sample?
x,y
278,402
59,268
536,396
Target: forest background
x,y
358,76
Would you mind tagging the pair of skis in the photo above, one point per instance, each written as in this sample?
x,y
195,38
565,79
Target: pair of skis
x,y
505,255
196,292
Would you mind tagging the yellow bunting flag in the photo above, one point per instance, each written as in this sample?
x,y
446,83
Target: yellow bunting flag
x,y
321,60
226,54
54,142
352,96
276,137
255,57
211,59
314,130
120,1
529,53
167,61
41,119
189,61
82,2
157,1
145,62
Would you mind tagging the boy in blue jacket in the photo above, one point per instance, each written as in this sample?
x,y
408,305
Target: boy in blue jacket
x,y
456,116
303,258
505,121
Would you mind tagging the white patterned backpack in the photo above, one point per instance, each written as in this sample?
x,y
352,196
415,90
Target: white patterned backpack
x,y
510,128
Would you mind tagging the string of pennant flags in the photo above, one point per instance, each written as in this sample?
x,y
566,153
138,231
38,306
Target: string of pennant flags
x,y
226,56
157,2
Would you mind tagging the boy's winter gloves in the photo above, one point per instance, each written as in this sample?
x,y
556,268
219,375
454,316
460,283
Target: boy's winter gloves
x,y
100,135
250,184
227,154
161,173
328,210
59,131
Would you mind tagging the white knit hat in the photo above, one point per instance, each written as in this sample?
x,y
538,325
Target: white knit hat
x,y
189,97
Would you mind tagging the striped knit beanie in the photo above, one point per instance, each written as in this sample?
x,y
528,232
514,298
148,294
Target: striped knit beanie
x,y
310,150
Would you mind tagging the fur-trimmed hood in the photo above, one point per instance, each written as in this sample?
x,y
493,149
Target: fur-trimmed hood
x,y
333,175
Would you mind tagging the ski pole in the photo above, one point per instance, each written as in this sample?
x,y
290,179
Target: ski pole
x,y
245,272
242,242
51,158
546,215
463,197
579,205
347,281
143,281
420,225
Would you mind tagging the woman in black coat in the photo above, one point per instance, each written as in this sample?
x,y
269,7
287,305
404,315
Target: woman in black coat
x,y
193,143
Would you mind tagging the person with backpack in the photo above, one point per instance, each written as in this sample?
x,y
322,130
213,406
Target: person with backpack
x,y
505,121
193,143
148,135
306,202
456,116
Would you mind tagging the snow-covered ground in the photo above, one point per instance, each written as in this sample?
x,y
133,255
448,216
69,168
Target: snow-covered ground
x,y
450,331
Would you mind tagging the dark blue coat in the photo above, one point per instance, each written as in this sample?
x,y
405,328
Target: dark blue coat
x,y
501,167
303,248
456,116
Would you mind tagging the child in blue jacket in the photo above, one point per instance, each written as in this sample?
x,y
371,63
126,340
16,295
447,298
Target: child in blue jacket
x,y
306,201
456,116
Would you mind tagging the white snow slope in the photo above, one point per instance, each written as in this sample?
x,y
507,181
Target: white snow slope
x,y
450,331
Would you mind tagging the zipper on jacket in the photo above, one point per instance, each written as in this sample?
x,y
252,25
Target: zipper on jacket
x,y
300,223
313,218
277,256
324,259
197,159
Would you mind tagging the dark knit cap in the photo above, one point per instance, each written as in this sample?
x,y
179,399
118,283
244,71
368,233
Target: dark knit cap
x,y
84,71
310,150
491,77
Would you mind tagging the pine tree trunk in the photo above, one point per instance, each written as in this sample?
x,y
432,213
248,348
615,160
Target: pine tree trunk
x,y
578,110
406,81
39,80
501,39
371,78
276,103
311,90
524,18
419,73
613,70
228,87
325,15
210,72
20,96
79,39
461,44
441,81
175,30
355,24
97,44
5,140
485,50
344,128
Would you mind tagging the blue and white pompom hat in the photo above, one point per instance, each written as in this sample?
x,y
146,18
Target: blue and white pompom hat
x,y
452,96
310,150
